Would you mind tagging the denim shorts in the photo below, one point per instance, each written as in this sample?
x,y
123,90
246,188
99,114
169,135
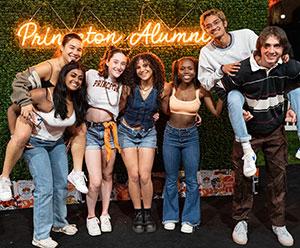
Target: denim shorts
x,y
128,137
95,138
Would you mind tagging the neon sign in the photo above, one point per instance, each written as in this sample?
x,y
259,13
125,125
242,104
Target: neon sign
x,y
153,34
31,35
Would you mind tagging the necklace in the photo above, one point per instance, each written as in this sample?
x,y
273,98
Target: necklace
x,y
144,91
108,98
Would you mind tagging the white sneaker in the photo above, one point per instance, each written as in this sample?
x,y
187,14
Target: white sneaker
x,y
297,155
170,226
69,229
283,235
239,234
186,228
44,243
249,168
5,189
92,226
77,178
105,223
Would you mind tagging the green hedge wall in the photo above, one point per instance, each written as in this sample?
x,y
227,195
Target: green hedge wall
x,y
124,16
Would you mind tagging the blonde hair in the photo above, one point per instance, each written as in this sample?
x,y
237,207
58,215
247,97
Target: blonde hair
x,y
216,12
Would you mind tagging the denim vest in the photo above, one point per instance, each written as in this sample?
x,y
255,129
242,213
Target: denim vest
x,y
139,112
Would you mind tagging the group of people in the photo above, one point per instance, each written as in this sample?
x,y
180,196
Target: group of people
x,y
115,108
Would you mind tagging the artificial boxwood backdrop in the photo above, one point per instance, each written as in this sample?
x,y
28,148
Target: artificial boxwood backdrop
x,y
123,16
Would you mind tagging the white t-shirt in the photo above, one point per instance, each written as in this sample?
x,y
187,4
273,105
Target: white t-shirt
x,y
211,58
51,127
102,93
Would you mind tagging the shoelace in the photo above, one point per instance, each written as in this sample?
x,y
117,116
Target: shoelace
x,y
69,226
249,157
241,228
282,232
81,177
105,220
94,223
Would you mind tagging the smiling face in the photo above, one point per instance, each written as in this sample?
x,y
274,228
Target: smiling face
x,y
214,26
143,70
116,65
271,51
186,71
72,50
74,79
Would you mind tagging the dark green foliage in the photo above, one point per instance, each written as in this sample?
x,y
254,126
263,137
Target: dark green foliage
x,y
123,16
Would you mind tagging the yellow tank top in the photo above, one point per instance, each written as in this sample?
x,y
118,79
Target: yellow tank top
x,y
184,107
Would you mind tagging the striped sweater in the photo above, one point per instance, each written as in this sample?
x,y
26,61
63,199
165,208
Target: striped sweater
x,y
264,90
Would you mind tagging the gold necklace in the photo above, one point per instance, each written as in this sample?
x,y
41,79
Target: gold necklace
x,y
145,91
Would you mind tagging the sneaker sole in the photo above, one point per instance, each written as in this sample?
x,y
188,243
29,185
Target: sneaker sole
x,y
169,229
150,229
94,234
67,233
39,245
138,230
187,232
250,174
239,242
8,198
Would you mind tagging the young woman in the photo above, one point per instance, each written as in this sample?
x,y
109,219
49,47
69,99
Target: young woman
x,y
55,108
137,134
181,142
104,92
43,75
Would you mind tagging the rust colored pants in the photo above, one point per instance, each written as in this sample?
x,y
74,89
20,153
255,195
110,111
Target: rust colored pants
x,y
274,148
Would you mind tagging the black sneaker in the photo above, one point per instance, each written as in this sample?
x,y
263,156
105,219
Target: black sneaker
x,y
149,223
138,221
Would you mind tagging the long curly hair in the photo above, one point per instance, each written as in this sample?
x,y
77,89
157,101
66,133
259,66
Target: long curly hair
x,y
79,97
109,53
155,63
175,78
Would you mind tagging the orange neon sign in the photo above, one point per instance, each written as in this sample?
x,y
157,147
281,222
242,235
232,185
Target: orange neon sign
x,y
31,35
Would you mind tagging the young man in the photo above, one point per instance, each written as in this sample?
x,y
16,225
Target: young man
x,y
221,57
264,80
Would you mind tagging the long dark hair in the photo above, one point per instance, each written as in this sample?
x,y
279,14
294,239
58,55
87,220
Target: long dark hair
x,y
175,78
78,97
109,53
155,63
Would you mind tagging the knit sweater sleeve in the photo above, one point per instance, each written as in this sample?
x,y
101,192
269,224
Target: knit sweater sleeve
x,y
22,84
207,75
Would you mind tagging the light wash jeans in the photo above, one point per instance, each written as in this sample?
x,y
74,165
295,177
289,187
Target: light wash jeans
x,y
48,165
294,98
181,145
235,103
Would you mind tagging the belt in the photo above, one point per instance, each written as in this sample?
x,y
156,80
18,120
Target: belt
x,y
132,128
93,124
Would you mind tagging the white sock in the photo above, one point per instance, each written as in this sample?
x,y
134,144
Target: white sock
x,y
247,148
3,177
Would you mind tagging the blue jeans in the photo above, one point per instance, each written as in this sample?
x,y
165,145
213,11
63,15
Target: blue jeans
x,y
95,138
181,145
235,103
294,98
48,165
128,137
